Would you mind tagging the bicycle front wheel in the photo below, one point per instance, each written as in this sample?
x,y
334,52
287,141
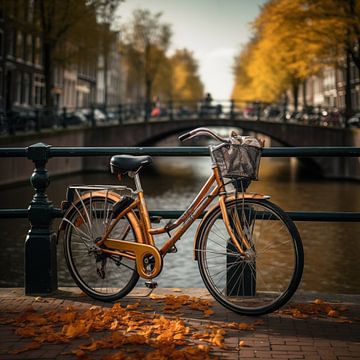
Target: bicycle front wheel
x,y
102,276
268,274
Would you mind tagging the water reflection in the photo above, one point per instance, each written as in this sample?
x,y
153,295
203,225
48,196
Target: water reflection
x,y
331,249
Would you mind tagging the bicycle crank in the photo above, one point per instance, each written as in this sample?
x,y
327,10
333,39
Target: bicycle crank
x,y
149,262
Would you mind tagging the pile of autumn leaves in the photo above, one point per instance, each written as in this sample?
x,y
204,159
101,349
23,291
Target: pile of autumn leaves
x,y
145,334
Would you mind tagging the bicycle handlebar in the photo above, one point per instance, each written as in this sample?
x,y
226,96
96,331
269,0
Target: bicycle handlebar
x,y
201,131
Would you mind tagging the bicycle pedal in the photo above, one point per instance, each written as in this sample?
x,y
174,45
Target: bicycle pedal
x,y
172,250
151,284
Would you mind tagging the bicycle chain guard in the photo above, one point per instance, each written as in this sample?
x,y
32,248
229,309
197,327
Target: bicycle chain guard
x,y
142,253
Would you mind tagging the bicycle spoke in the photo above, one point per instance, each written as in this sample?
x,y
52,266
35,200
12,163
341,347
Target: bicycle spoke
x,y
259,280
101,275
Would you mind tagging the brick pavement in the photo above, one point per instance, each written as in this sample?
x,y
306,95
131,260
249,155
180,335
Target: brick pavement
x,y
292,333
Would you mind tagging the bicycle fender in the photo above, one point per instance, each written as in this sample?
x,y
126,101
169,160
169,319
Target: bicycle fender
x,y
71,206
121,204
214,208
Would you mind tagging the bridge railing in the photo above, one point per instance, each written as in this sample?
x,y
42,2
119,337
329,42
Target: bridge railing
x,y
41,240
39,119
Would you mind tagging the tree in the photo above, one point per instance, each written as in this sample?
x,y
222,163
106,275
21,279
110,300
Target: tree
x,y
144,44
68,31
178,78
187,85
335,26
295,39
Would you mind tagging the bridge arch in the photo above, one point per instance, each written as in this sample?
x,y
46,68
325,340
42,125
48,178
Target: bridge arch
x,y
158,130
288,134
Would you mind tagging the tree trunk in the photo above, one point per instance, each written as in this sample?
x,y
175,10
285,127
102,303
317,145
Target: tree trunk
x,y
105,80
148,90
295,92
348,102
48,74
304,94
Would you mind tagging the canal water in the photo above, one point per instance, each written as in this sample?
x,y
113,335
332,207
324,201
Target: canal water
x,y
331,249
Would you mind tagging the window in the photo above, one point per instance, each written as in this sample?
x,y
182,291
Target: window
x,y
39,90
11,43
29,15
1,83
29,48
20,45
25,94
18,86
38,51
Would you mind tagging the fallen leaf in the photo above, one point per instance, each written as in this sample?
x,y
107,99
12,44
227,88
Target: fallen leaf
x,y
242,343
245,326
26,331
32,346
318,301
333,314
208,312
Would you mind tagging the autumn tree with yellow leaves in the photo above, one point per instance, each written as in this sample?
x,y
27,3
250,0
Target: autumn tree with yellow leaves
x,y
151,72
294,39
178,78
187,85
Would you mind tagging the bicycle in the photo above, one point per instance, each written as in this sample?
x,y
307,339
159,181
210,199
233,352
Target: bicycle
x,y
249,252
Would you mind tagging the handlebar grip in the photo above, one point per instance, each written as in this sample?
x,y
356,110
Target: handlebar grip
x,y
185,136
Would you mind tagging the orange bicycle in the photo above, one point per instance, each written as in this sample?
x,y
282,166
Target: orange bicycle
x,y
249,251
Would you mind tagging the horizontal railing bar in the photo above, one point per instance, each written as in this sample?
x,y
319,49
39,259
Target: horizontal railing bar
x,y
184,151
174,214
294,215
202,151
13,213
13,152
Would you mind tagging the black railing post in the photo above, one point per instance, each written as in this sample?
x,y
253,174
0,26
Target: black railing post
x,y
92,116
258,108
171,114
64,116
10,122
40,244
37,120
147,111
120,116
232,109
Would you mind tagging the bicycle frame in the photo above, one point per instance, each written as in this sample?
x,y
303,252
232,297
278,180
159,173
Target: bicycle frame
x,y
146,246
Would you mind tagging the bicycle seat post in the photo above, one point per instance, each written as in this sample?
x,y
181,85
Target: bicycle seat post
x,y
137,182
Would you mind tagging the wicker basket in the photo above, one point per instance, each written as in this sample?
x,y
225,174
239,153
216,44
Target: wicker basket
x,y
237,161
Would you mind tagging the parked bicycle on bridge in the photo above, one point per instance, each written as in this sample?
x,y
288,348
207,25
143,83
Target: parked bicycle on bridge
x,y
241,243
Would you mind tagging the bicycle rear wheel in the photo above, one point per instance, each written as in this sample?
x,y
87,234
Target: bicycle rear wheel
x,y
102,276
269,274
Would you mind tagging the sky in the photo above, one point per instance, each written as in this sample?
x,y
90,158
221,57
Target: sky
x,y
214,30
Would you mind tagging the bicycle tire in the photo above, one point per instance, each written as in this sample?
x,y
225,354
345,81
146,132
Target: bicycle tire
x,y
101,276
260,284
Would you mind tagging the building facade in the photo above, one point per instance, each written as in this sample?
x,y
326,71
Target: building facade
x,y
327,90
22,81
110,76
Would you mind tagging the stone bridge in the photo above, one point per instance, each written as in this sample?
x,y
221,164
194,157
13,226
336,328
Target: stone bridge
x,y
147,133
287,134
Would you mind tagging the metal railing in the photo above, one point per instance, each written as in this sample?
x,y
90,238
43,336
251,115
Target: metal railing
x,y
41,241
38,119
